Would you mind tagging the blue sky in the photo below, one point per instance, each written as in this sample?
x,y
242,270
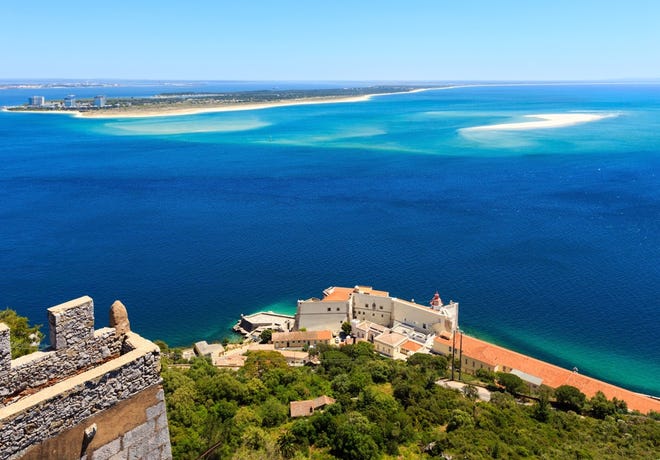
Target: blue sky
x,y
331,40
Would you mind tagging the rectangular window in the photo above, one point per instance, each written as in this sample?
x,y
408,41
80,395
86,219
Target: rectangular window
x,y
329,309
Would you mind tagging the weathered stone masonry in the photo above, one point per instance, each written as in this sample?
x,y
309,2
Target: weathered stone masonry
x,y
95,395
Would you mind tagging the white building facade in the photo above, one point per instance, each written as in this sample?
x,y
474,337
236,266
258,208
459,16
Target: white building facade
x,y
363,303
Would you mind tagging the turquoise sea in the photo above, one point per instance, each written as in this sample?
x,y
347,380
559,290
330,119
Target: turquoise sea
x,y
548,238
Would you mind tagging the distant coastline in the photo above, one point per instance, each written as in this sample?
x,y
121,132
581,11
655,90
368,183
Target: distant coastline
x,y
192,104
181,104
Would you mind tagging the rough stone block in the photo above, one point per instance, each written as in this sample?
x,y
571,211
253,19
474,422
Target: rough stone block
x,y
71,322
119,318
154,454
108,450
166,454
139,434
138,451
161,421
121,455
155,411
5,349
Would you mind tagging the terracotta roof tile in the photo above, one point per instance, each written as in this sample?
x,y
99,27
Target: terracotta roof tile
x,y
337,294
411,346
307,407
553,376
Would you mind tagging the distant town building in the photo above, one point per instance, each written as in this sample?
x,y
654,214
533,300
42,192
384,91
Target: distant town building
x,y
307,407
36,101
300,339
389,344
99,101
213,351
253,325
70,101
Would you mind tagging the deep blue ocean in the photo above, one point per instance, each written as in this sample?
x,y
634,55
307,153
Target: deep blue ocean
x,y
548,238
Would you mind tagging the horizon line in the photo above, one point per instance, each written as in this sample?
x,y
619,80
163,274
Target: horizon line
x,y
88,79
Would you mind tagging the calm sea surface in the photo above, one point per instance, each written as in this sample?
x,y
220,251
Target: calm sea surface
x,y
549,239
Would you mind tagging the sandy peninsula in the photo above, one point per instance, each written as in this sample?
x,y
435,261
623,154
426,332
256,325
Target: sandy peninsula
x,y
545,121
159,108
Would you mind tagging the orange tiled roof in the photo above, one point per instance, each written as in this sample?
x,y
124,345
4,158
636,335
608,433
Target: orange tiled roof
x,y
553,376
337,294
371,291
301,335
411,346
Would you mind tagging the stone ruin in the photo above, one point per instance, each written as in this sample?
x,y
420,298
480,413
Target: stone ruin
x,y
95,394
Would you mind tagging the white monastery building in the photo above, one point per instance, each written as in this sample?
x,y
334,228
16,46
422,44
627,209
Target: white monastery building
x,y
363,303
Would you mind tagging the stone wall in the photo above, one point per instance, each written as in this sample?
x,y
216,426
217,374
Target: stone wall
x,y
76,346
60,400
135,428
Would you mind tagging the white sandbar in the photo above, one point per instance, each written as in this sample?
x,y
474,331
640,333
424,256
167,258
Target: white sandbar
x,y
547,120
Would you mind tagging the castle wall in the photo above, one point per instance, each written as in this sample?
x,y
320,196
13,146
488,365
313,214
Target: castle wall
x,y
76,346
134,428
96,395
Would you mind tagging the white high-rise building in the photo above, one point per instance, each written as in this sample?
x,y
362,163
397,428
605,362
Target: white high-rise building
x,y
70,101
99,101
36,101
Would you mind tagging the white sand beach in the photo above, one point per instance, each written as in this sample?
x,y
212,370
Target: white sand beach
x,y
547,120
229,107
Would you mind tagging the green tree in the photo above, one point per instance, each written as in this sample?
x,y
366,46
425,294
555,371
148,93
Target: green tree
x,y
600,406
266,335
353,439
541,410
258,362
485,375
24,339
287,444
459,418
273,412
470,391
570,398
346,327
511,382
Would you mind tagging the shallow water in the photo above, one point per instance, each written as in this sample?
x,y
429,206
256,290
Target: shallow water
x,y
547,238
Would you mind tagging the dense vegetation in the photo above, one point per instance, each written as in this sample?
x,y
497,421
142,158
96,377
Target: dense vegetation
x,y
24,339
387,409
